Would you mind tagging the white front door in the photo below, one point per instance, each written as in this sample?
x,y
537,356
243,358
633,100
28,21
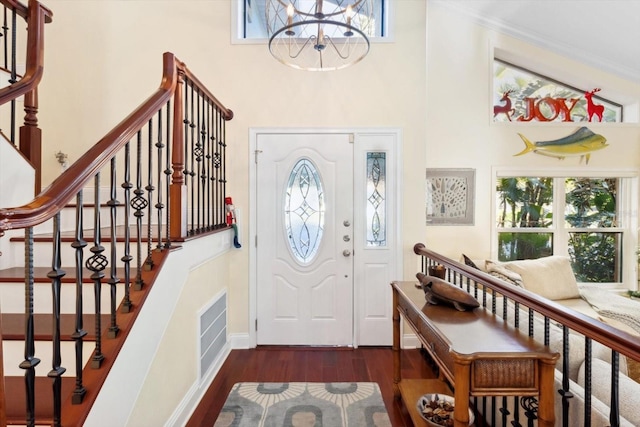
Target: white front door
x,y
304,224
320,266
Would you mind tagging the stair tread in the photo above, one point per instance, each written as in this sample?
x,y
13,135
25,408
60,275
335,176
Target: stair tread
x,y
16,274
16,402
13,326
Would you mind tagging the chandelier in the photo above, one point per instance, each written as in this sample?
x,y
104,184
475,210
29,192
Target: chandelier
x,y
319,35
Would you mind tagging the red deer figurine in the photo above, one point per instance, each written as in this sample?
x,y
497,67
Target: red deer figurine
x,y
591,107
505,108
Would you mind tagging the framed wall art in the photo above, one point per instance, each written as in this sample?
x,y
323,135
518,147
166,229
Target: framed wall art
x,y
450,196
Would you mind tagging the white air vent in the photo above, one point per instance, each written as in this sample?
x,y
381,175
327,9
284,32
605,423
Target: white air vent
x,y
212,332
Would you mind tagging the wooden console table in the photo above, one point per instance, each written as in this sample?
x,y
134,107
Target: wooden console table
x,y
477,352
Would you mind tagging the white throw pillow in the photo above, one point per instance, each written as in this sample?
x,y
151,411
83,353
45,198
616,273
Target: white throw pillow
x,y
498,270
550,277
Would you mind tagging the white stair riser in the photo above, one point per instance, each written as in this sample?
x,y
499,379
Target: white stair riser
x,y
68,220
13,353
12,298
43,252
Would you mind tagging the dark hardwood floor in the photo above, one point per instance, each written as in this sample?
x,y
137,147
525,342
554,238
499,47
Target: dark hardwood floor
x,y
286,364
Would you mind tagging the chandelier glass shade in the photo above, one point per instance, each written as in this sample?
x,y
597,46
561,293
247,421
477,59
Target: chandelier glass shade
x,y
319,35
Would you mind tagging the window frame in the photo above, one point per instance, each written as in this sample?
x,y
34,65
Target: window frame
x,y
579,92
627,214
237,22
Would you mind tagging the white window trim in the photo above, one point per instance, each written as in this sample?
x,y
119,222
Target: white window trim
x,y
236,24
628,210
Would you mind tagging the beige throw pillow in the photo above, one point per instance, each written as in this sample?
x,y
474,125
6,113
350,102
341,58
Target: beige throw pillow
x,y
550,277
497,269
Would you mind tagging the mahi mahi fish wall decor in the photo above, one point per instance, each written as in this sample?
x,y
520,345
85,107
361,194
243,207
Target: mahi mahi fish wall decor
x,y
580,143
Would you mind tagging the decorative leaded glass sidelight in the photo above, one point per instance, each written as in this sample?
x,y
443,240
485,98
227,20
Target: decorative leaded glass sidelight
x,y
376,199
304,210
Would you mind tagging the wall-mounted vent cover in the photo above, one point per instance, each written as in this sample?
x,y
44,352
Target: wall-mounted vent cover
x,y
213,332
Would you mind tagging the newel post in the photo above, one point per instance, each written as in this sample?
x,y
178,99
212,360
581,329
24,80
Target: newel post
x,y
31,136
178,189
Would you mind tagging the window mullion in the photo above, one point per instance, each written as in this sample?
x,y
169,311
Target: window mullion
x,y
560,231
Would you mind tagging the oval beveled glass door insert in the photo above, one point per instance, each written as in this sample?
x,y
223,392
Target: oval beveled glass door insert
x,y
304,210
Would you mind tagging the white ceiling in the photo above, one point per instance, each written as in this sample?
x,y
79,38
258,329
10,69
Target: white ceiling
x,y
600,33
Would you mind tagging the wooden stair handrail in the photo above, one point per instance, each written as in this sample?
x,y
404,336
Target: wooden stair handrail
x,y
36,16
620,341
23,11
69,183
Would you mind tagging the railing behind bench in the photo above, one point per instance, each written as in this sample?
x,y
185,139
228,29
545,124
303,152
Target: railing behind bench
x,y
513,301
162,170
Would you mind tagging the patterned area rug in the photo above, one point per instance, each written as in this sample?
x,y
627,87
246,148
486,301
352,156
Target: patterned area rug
x,y
304,404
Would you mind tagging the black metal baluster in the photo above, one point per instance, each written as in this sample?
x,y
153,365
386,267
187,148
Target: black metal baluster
x,y
493,410
516,412
30,361
113,277
215,163
199,153
78,335
209,158
168,171
546,331
159,205
587,381
5,31
220,208
148,264
57,370
223,190
186,172
504,410
614,415
13,73
139,203
97,263
530,406
192,173
531,322
565,392
127,258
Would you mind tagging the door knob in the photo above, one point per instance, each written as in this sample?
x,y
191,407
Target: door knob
x,y
346,252
346,238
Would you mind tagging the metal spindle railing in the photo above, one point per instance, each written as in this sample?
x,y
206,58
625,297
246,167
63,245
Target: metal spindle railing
x,y
544,314
148,144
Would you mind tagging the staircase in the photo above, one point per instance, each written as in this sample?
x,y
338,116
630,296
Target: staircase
x,y
79,260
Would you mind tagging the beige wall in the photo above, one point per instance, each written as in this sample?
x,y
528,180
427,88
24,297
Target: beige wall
x,y
460,132
111,51
110,54
174,370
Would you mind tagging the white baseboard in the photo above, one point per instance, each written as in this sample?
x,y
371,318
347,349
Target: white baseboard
x,y
190,402
410,341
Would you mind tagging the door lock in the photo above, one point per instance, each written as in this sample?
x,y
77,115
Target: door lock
x,y
346,223
346,238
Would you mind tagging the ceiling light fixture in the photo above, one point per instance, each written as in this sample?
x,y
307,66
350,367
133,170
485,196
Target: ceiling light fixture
x,y
319,35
